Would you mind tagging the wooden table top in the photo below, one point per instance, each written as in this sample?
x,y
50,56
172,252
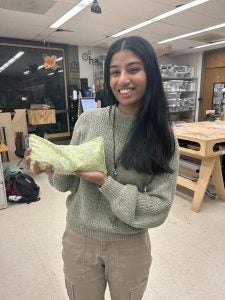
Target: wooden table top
x,y
200,131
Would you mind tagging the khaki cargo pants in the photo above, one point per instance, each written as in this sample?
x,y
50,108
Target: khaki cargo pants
x,y
90,264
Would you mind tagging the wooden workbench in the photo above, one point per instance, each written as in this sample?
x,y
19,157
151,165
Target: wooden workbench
x,y
204,141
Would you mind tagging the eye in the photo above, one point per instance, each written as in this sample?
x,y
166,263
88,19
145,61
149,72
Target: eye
x,y
134,70
114,72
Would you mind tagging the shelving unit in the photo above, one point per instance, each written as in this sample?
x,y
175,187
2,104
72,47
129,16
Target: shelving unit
x,y
181,91
181,96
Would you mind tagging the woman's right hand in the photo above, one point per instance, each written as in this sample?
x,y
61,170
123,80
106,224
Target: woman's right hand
x,y
36,168
27,154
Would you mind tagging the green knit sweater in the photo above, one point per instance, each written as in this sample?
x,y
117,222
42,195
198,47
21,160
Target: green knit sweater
x,y
124,206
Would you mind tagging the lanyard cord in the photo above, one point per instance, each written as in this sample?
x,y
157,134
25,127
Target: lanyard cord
x,y
114,171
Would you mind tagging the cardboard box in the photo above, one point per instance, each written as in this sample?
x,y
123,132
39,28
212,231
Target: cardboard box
x,y
41,116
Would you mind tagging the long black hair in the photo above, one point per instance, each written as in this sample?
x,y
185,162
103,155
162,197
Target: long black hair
x,y
151,143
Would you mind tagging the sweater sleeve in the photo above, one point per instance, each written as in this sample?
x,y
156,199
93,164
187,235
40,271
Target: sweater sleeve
x,y
143,209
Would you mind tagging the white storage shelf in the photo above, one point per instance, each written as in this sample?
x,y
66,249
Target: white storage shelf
x,y
181,97
180,88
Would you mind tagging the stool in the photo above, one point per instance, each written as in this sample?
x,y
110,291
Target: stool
x,y
20,154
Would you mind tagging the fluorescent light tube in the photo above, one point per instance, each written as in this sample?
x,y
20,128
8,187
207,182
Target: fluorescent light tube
x,y
208,45
71,13
192,33
133,28
160,17
11,61
40,67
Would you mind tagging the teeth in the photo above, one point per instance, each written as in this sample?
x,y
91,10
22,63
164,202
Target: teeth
x,y
125,91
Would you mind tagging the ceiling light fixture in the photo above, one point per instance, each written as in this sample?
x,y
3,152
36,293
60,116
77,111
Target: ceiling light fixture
x,y
208,45
160,17
71,13
95,8
192,33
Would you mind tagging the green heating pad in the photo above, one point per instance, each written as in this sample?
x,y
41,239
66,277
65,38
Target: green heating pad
x,y
66,159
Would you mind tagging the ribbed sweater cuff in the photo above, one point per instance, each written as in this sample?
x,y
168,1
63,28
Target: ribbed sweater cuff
x,y
111,188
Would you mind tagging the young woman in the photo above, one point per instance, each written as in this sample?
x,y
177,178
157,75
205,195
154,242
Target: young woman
x,y
106,238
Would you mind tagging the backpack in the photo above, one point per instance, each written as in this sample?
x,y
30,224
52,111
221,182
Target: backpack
x,y
11,170
22,188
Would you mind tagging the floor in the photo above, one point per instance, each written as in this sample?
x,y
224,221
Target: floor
x,y
188,250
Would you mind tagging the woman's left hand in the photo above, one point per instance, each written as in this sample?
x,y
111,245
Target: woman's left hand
x,y
96,177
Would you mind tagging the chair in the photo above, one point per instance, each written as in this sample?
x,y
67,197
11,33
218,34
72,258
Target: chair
x,y
40,131
20,153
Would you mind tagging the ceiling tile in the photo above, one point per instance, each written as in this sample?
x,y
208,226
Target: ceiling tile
x,y
164,30
212,8
30,6
191,20
59,9
8,17
94,29
172,3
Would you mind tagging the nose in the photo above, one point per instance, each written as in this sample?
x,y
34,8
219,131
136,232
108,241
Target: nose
x,y
124,78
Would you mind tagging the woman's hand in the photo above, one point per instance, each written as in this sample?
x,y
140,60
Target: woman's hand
x,y
96,177
36,167
27,154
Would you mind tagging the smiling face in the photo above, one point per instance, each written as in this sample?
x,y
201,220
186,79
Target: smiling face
x,y
128,80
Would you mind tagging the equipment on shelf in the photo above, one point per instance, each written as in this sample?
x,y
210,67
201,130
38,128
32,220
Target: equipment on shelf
x,y
180,88
174,71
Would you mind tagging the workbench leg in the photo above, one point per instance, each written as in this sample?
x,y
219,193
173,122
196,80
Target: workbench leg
x,y
205,172
217,179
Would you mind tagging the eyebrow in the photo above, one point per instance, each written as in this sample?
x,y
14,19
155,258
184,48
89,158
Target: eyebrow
x,y
129,64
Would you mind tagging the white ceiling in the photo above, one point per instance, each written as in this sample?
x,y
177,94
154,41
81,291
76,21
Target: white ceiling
x,y
27,19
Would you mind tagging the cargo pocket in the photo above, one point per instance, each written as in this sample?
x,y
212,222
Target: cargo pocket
x,y
138,292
